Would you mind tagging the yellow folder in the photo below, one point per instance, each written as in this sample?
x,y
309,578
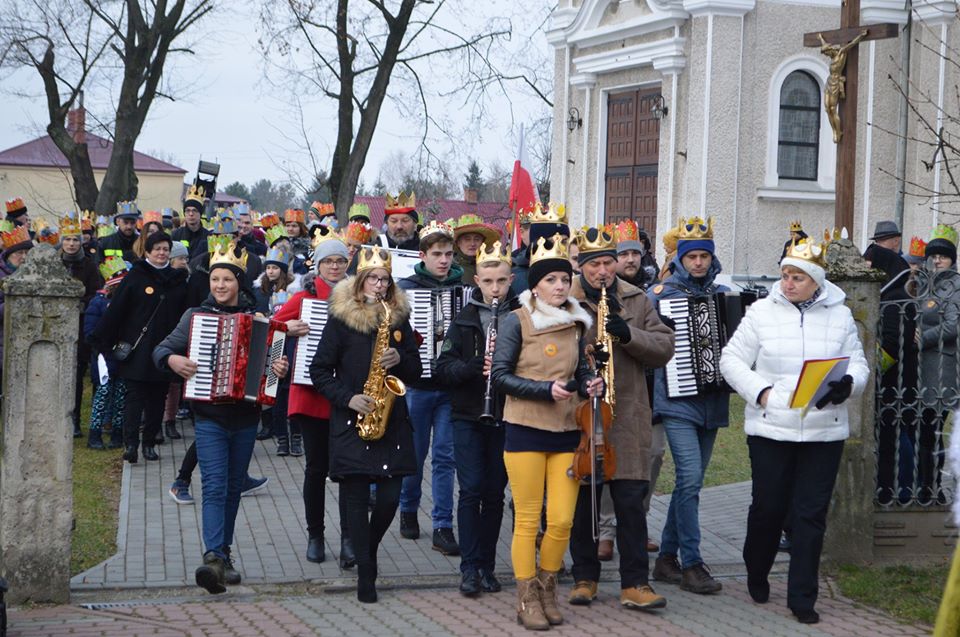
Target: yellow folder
x,y
815,379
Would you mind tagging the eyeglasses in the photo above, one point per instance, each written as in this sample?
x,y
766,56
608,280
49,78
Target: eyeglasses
x,y
376,280
334,262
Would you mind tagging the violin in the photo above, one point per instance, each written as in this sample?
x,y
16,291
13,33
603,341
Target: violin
x,y
594,457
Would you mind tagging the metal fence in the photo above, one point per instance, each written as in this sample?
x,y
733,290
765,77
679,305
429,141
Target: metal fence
x,y
917,388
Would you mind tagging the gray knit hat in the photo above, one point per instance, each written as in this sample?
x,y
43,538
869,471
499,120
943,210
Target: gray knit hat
x,y
329,248
179,250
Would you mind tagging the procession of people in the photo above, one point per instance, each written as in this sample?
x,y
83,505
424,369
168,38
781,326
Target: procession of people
x,y
502,367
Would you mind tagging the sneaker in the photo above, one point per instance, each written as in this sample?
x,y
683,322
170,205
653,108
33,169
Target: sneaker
x,y
445,542
283,446
409,526
641,598
697,579
296,445
184,413
251,486
583,593
180,492
667,570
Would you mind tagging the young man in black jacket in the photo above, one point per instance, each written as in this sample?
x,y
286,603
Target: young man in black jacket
x,y
463,365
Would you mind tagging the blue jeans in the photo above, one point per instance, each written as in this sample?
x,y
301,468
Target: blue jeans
x,y
690,446
430,410
224,455
483,479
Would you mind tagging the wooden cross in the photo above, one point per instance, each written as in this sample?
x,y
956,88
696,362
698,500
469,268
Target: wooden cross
x,y
840,96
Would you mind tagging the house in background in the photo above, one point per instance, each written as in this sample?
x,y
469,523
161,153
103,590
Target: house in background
x,y
496,214
39,172
672,108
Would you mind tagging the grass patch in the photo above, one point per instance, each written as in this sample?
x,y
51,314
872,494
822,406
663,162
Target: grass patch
x,y
730,461
909,593
96,499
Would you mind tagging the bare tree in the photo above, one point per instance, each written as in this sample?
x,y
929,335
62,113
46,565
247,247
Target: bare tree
x,y
116,45
359,54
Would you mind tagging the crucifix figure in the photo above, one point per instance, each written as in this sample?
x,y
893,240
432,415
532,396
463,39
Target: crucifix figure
x,y
840,95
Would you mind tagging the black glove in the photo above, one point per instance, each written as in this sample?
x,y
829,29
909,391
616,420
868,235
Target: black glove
x,y
840,390
617,327
475,365
669,322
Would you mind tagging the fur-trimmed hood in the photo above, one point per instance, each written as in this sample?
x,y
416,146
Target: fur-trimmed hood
x,y
544,315
365,317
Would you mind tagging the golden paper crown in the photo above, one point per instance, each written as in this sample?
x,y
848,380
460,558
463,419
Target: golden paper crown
x,y
918,247
11,235
796,226
39,225
195,193
493,254
71,225
321,234
294,214
230,254
553,248
435,227
14,205
695,228
602,241
555,213
401,203
357,232
88,220
374,257
808,250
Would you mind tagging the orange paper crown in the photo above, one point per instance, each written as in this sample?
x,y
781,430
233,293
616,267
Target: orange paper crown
x,y
626,230
357,232
153,215
13,236
294,214
269,220
323,209
15,205
71,225
49,235
918,247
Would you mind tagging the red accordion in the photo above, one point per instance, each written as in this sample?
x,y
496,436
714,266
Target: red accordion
x,y
234,355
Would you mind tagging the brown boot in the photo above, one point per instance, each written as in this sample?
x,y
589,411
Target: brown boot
x,y
529,607
583,593
548,595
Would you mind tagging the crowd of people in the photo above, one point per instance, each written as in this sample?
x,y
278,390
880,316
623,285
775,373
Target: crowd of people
x,y
502,402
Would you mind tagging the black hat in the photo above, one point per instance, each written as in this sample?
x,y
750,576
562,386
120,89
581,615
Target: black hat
x,y
885,230
943,248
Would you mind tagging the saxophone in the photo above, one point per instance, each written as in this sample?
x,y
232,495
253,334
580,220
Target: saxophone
x,y
606,340
380,386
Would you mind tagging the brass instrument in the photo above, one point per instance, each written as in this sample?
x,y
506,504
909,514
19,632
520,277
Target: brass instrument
x,y
487,417
603,310
380,386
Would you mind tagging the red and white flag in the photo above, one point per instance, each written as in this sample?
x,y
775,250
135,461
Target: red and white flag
x,y
523,190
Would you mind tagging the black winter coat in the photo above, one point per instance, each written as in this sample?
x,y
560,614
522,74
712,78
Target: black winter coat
x,y
85,271
460,365
196,242
144,289
117,244
339,370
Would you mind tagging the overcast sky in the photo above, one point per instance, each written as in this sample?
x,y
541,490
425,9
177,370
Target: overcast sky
x,y
231,115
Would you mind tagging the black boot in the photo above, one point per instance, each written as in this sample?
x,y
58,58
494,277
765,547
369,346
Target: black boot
x,y
283,446
266,427
116,439
94,441
77,433
170,428
210,576
367,583
150,453
231,576
315,550
348,558
159,439
296,445
130,454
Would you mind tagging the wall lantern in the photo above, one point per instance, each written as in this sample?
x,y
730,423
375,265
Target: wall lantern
x,y
659,107
574,121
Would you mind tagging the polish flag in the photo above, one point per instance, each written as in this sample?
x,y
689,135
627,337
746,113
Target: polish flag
x,y
523,190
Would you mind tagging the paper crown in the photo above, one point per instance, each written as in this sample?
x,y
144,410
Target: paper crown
x,y
207,223
224,224
492,254
359,210
88,220
401,203
436,227
943,231
808,250
596,240
626,230
553,248
229,254
796,226
12,235
321,234
357,232
15,205
554,213
154,216
695,228
218,241
279,298
323,209
127,209
195,194
112,266
103,220
277,255
374,257
105,231
49,235
274,234
71,225
269,219
294,215
39,225
241,209
471,223
918,247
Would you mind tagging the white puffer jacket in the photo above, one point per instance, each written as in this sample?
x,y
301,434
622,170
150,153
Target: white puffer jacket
x,y
768,349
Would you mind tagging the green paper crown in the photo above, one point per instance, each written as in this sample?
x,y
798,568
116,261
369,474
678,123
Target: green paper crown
x,y
221,241
943,231
359,209
111,267
105,231
274,234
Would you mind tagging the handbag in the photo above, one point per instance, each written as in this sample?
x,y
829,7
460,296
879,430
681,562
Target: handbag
x,y
123,349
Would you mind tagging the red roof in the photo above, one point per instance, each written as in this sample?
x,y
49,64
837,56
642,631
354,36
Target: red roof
x,y
44,153
493,213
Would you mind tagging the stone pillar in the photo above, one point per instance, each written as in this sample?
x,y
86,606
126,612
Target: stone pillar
x,y
42,304
849,535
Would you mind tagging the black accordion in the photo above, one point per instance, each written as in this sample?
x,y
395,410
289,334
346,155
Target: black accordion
x,y
704,324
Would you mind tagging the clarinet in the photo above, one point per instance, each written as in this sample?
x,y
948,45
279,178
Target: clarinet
x,y
487,417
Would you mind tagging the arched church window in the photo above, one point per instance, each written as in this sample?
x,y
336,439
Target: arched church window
x,y
799,130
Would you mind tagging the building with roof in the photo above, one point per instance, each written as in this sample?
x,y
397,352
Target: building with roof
x,y
494,213
39,172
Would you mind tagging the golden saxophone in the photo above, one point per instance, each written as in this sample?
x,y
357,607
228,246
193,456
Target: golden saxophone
x,y
603,310
380,386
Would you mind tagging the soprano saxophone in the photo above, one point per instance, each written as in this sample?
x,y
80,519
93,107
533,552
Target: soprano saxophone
x,y
380,386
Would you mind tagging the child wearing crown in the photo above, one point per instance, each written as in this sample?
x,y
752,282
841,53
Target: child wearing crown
x,y
226,432
794,454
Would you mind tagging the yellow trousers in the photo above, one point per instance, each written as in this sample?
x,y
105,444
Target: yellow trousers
x,y
948,619
529,472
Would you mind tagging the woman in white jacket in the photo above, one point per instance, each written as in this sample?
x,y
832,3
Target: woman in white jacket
x,y
794,458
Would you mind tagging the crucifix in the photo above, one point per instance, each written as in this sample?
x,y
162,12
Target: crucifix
x,y
840,95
